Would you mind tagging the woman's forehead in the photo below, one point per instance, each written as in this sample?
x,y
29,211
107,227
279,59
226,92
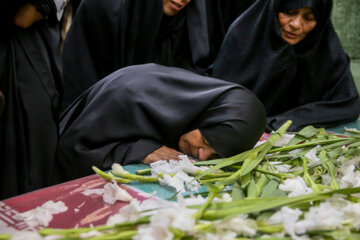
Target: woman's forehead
x,y
320,8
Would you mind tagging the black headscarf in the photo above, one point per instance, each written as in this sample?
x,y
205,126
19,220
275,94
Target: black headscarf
x,y
2,102
30,78
309,83
137,109
107,35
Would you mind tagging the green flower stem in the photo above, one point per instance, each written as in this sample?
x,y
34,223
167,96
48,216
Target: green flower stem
x,y
270,229
108,176
346,141
203,227
212,180
248,206
146,171
229,161
309,144
273,238
255,156
278,175
72,231
252,157
124,235
330,168
198,215
127,227
134,177
250,164
142,220
5,236
307,178
213,175
261,182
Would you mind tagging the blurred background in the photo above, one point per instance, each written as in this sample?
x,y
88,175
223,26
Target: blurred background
x,y
346,19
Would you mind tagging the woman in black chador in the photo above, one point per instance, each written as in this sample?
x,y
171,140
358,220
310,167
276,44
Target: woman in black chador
x,y
30,81
108,35
288,54
146,113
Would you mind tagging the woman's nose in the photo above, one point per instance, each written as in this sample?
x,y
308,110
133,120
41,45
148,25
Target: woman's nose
x,y
296,22
205,154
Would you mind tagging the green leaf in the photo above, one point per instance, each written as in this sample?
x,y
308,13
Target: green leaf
x,y
308,132
237,192
271,190
252,190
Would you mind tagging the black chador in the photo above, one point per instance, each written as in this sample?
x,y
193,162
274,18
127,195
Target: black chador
x,y
138,109
309,82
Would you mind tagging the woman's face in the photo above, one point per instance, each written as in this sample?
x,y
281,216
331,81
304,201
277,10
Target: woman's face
x,y
194,144
296,24
172,7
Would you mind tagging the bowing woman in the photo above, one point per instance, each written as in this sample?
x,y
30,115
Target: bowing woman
x,y
292,59
108,35
30,81
124,119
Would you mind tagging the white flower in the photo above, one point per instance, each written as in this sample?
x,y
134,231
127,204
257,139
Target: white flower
x,y
179,180
280,168
352,212
174,166
285,139
158,203
192,200
42,215
159,167
354,130
241,225
174,182
128,213
112,193
314,160
261,142
326,179
97,191
190,182
178,217
117,169
226,197
223,235
288,217
296,151
295,187
153,233
16,234
347,176
323,217
188,167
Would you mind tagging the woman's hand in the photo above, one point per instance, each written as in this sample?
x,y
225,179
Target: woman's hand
x,y
26,16
163,153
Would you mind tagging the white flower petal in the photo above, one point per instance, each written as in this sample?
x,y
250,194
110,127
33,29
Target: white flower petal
x,y
285,139
295,187
113,193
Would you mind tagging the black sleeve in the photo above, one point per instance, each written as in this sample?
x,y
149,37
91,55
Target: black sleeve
x,y
131,152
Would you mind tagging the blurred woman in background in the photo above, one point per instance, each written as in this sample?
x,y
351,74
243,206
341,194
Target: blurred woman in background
x,y
292,59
